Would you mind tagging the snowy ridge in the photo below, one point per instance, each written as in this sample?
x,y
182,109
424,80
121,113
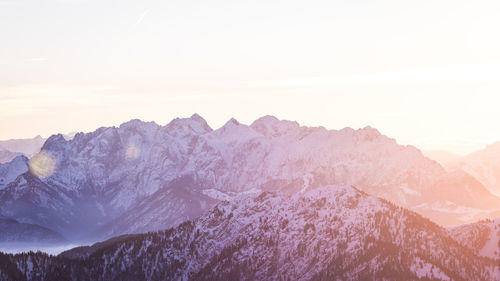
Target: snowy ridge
x,y
9,172
328,233
7,156
104,181
482,237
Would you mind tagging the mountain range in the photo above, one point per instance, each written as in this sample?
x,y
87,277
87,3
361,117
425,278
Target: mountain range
x,y
327,233
484,165
9,149
141,176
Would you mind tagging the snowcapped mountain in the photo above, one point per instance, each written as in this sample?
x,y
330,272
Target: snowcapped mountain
x,y
10,171
9,149
327,233
7,156
141,176
482,237
14,147
484,165
166,207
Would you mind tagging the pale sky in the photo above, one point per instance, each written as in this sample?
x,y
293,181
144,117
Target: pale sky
x,y
426,73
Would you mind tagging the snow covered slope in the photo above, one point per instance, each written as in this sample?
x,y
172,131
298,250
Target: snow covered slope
x,y
482,237
141,176
9,172
328,233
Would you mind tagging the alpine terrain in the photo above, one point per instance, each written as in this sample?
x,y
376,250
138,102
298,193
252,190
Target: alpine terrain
x,y
326,233
142,177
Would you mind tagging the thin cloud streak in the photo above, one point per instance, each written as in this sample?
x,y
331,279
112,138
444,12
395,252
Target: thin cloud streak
x,y
141,17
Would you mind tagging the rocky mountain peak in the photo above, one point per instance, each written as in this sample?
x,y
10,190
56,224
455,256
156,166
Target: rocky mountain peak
x,y
272,126
192,125
53,142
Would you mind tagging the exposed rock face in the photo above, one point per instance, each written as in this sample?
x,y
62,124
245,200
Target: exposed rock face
x,y
142,176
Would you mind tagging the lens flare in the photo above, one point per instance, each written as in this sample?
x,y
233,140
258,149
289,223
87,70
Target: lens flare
x,y
43,164
132,152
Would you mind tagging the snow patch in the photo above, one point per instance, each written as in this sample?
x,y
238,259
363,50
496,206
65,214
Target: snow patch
x,y
216,194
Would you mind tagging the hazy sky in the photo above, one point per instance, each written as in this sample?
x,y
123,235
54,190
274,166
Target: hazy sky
x,y
424,72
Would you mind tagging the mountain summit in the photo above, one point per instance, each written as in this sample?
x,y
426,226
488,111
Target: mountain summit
x,y
141,176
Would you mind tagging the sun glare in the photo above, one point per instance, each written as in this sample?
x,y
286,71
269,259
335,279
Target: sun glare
x,y
132,152
43,164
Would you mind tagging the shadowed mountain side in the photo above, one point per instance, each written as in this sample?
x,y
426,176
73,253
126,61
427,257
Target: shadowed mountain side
x,y
13,232
329,233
